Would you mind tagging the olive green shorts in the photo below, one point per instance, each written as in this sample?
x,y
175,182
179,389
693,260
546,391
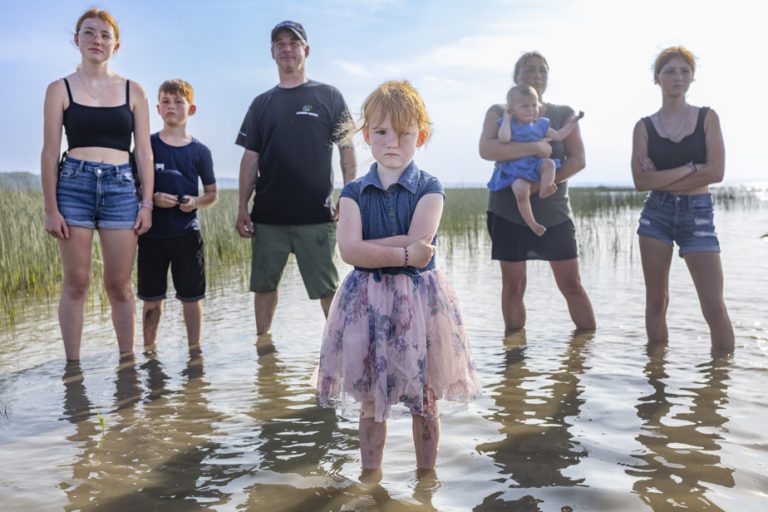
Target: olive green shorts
x,y
314,246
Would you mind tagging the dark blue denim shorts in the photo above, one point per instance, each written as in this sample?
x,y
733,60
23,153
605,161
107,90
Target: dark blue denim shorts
x,y
97,195
687,220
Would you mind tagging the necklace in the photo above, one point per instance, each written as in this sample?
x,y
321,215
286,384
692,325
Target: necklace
x,y
88,89
681,125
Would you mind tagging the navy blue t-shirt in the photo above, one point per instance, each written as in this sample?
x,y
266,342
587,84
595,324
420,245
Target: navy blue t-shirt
x,y
177,170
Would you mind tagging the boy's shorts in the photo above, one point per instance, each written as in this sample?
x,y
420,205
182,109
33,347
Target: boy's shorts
x,y
96,195
685,219
186,257
314,246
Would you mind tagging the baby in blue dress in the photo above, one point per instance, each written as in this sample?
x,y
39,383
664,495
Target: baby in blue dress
x,y
521,123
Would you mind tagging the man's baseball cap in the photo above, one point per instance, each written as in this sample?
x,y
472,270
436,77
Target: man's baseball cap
x,y
293,26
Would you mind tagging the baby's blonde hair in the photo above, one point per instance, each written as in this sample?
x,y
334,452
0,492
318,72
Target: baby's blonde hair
x,y
401,101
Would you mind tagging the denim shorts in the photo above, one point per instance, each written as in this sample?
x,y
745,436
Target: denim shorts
x,y
684,219
97,195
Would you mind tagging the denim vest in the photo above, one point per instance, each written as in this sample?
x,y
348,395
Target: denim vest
x,y
388,212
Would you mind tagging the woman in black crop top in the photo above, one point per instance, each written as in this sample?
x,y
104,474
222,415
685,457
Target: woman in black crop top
x,y
676,154
94,188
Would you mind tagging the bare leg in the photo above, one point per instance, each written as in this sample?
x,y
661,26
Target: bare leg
x,y
568,281
76,267
513,281
118,248
264,304
325,303
151,313
522,190
426,438
707,273
373,434
656,257
547,171
193,319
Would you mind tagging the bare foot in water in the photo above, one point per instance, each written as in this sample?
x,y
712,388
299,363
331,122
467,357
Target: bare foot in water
x,y
547,191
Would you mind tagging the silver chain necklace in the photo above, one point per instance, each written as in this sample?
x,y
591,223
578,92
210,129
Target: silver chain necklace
x,y
88,89
680,127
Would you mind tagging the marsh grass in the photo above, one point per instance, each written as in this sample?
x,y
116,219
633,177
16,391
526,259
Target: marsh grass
x,y
30,267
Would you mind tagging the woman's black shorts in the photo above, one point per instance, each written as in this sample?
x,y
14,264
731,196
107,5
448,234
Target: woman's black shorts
x,y
512,242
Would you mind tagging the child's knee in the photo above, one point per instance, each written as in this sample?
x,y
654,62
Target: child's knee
x,y
521,188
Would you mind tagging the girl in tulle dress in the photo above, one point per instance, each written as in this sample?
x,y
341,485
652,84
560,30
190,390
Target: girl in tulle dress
x,y
394,333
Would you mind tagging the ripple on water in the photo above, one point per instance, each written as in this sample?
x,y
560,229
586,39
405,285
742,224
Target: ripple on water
x,y
595,422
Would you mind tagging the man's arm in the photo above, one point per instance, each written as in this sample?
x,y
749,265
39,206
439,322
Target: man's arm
x,y
348,170
348,163
249,172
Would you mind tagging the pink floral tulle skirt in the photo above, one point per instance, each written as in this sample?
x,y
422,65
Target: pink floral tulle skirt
x,y
395,339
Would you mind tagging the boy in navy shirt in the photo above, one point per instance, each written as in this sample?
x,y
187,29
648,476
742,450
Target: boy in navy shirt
x,y
174,240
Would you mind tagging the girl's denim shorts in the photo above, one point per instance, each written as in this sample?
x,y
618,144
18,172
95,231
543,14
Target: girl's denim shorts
x,y
687,220
96,195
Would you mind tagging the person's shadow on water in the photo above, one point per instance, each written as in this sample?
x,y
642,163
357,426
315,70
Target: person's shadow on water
x,y
538,446
681,432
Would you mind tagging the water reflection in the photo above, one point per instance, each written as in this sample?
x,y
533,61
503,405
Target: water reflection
x,y
152,448
681,433
180,477
293,438
533,409
78,411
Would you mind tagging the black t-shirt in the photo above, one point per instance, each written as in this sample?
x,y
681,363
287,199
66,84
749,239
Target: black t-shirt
x,y
293,131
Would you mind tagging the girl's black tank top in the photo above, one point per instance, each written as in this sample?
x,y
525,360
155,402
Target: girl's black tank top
x,y
103,127
667,154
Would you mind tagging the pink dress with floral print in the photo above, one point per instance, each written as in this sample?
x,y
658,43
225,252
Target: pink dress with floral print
x,y
395,338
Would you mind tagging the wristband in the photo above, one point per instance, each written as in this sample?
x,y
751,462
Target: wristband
x,y
146,204
693,166
406,256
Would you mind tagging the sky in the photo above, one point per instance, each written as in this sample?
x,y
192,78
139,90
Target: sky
x,y
458,54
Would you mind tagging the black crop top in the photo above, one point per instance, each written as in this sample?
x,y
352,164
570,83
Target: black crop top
x,y
103,127
666,154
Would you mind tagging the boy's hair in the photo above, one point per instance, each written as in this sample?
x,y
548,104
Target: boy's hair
x,y
103,16
521,90
178,86
397,98
673,52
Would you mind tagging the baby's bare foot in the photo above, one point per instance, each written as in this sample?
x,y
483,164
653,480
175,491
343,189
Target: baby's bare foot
x,y
547,191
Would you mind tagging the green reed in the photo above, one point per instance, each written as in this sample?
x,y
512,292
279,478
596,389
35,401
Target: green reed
x,y
29,259
30,265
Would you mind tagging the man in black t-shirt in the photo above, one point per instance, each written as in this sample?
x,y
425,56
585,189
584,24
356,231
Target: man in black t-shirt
x,y
288,135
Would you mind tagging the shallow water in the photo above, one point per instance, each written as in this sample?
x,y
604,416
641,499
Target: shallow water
x,y
595,422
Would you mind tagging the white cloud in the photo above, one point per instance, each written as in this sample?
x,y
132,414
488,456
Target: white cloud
x,y
352,69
